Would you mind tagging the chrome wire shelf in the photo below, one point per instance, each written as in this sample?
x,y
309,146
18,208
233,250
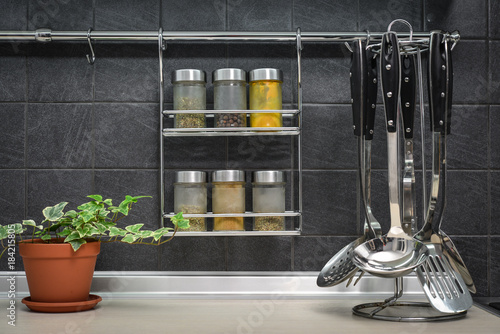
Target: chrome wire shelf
x,y
237,233
245,214
238,131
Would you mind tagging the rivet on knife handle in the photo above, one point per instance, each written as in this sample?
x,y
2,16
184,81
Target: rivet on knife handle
x,y
438,74
391,76
372,89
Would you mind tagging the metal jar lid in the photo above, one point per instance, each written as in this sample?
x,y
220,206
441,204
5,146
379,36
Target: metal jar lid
x,y
228,176
234,74
265,74
188,75
190,177
269,176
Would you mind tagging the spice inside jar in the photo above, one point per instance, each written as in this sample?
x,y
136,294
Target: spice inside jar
x,y
265,89
189,94
228,196
190,196
230,94
268,196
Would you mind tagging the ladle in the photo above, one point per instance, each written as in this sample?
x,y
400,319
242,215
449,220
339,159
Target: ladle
x,y
395,254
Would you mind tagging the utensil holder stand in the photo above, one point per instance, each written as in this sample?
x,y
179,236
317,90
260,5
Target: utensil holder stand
x,y
403,311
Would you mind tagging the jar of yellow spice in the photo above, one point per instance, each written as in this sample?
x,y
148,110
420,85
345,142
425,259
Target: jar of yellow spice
x,y
265,94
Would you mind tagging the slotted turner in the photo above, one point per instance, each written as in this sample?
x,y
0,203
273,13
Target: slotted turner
x,y
444,287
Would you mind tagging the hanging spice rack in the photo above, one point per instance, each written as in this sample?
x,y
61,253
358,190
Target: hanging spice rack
x,y
161,37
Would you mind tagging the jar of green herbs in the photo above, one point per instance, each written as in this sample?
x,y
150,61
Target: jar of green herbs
x,y
190,196
189,94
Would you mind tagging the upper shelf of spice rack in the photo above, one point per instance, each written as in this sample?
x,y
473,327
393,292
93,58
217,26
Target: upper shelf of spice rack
x,y
232,131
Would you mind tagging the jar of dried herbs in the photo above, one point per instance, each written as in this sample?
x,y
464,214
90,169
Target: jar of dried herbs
x,y
190,196
189,94
268,190
265,93
230,93
228,196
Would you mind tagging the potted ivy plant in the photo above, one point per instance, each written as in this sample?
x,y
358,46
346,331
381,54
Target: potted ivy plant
x,y
60,253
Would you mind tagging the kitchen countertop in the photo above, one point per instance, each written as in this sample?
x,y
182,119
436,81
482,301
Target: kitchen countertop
x,y
225,316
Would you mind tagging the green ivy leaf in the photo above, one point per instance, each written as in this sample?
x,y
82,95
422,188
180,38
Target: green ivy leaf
x,y
72,236
179,221
93,231
108,201
97,198
3,232
134,228
159,233
144,234
18,228
102,229
130,238
76,244
71,214
65,232
29,223
86,216
46,237
54,213
115,231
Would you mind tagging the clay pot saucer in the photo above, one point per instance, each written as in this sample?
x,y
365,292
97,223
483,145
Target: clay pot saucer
x,y
62,307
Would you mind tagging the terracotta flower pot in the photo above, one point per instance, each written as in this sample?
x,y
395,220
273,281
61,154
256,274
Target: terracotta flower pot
x,y
57,274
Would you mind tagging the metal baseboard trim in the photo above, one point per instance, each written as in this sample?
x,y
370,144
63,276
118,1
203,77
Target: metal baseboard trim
x,y
245,285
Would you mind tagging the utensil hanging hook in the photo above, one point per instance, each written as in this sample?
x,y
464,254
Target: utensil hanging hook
x,y
161,42
368,38
404,22
299,40
91,60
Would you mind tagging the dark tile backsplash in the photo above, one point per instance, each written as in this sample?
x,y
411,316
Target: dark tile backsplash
x,y
69,129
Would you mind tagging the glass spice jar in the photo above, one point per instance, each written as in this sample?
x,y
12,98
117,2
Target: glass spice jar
x,y
228,196
265,93
268,196
190,196
189,94
230,93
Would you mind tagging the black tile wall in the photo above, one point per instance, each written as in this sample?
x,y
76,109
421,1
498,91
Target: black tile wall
x,y
59,72
12,135
126,135
207,15
127,15
467,16
316,15
70,129
13,72
376,15
259,15
60,15
59,135
50,187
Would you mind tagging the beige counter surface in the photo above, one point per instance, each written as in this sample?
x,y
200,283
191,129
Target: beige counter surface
x,y
227,316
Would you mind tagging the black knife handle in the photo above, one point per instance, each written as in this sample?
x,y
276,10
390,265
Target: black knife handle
x,y
450,90
390,74
408,93
358,80
371,93
438,70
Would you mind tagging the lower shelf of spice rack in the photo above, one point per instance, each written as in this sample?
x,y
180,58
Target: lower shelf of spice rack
x,y
245,214
237,233
231,131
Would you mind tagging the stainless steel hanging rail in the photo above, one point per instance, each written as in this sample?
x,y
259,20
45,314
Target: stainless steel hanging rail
x,y
47,35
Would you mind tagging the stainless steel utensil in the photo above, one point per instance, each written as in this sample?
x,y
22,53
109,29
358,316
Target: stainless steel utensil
x,y
408,98
449,248
442,284
395,254
370,107
340,267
